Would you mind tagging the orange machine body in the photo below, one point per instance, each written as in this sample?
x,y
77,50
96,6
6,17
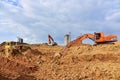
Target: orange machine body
x,y
101,38
97,37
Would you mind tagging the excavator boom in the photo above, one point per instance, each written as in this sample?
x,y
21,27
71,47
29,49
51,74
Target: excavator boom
x,y
77,41
51,40
80,39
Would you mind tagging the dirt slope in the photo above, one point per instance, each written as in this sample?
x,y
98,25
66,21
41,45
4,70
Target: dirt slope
x,y
43,62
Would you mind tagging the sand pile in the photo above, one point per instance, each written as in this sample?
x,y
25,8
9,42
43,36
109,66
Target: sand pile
x,y
101,62
43,62
14,68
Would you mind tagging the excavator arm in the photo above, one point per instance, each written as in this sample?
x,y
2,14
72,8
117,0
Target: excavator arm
x,y
85,36
51,40
80,39
77,41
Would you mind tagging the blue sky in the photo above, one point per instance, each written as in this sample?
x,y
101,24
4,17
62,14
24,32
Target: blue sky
x,y
33,20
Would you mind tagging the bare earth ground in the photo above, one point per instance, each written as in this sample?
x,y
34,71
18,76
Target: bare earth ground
x,y
43,62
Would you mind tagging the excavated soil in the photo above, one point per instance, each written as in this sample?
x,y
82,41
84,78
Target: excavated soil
x,y
43,62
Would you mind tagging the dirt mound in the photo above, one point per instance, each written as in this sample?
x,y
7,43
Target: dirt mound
x,y
21,77
17,66
85,62
26,77
13,68
3,78
100,57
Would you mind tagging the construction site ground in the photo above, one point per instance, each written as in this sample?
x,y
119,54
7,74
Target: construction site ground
x,y
43,62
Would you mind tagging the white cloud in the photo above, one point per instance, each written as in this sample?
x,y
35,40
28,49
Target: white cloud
x,y
34,19
11,27
114,16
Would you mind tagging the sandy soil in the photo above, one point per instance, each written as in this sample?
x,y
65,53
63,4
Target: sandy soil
x,y
43,62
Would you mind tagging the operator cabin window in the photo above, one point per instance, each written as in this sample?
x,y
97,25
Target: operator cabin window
x,y
97,35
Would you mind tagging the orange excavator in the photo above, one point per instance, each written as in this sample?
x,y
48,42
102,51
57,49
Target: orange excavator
x,y
51,40
97,37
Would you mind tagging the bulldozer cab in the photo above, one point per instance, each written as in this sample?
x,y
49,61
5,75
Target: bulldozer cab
x,y
7,44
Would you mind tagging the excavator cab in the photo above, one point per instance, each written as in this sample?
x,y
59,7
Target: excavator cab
x,y
97,35
101,38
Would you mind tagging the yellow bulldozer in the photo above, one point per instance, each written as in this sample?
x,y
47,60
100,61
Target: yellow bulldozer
x,y
13,48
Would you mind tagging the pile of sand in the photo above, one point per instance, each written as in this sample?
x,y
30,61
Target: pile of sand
x,y
14,68
101,62
43,62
